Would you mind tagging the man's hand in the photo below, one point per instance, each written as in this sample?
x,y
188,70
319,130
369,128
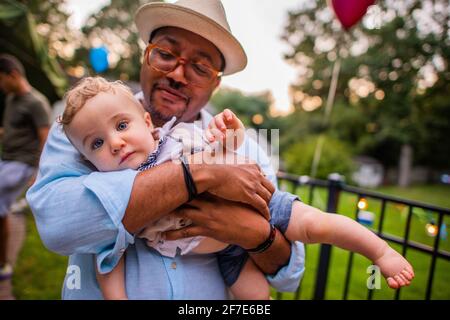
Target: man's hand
x,y
236,178
223,220
233,223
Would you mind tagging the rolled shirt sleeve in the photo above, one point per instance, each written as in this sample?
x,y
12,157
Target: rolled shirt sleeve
x,y
75,210
288,278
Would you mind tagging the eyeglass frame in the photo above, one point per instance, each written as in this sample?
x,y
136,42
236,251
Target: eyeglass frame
x,y
180,61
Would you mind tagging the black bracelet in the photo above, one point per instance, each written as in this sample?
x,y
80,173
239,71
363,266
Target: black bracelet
x,y
190,184
266,244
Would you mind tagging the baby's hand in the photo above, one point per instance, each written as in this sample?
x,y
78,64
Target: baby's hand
x,y
227,129
395,268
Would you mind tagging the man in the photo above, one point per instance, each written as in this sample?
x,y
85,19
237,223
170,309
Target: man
x,y
25,129
196,35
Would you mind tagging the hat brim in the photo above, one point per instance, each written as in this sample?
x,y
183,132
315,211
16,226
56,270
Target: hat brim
x,y
156,15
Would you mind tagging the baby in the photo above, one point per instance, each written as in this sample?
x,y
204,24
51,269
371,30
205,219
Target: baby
x,y
111,130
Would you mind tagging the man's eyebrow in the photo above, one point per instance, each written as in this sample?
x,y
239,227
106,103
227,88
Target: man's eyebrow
x,y
171,40
206,56
176,44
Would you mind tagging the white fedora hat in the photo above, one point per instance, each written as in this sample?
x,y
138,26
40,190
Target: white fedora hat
x,y
204,17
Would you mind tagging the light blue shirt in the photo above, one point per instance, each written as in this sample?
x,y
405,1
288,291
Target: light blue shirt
x,y
79,212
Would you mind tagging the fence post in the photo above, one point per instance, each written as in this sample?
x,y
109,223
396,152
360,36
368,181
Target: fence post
x,y
335,182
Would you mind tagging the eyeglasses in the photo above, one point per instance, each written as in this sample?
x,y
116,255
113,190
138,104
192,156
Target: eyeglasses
x,y
196,73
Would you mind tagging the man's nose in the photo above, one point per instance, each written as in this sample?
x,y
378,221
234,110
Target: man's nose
x,y
178,74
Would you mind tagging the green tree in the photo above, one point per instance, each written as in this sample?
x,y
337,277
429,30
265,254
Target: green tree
x,y
113,26
389,63
51,19
253,110
336,157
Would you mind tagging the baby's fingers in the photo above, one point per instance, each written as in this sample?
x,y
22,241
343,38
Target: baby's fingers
x,y
209,135
214,134
219,122
228,115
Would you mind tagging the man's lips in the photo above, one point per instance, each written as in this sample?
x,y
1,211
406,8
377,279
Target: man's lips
x,y
171,94
125,157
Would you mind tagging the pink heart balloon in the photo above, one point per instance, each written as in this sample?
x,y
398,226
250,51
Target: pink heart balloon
x,y
349,12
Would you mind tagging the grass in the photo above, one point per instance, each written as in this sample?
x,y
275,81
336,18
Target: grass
x,y
394,224
39,273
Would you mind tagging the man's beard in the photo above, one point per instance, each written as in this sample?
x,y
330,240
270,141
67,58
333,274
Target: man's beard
x,y
159,115
159,118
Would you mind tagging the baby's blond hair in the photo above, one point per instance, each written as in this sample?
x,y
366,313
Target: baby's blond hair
x,y
86,89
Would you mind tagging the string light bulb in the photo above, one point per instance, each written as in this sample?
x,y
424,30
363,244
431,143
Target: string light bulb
x,y
362,204
432,229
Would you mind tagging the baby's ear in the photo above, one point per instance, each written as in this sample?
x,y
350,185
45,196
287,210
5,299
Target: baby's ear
x,y
148,120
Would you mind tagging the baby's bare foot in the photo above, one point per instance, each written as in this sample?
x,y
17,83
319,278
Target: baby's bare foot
x,y
396,269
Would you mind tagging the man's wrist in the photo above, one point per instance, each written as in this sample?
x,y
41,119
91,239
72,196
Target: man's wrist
x,y
275,257
258,237
266,244
202,174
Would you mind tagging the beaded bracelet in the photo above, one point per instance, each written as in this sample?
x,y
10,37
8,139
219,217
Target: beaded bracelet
x,y
190,184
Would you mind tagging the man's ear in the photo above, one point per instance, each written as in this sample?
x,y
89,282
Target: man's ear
x,y
217,84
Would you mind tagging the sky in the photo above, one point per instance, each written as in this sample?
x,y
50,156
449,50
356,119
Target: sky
x,y
257,24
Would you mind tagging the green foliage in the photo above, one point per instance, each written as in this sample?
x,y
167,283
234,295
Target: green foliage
x,y
396,61
51,24
113,26
336,157
245,106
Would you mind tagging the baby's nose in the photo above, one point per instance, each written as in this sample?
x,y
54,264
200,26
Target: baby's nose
x,y
117,144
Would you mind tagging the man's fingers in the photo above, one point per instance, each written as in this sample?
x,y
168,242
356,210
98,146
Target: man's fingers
x,y
194,213
265,194
259,204
187,232
195,203
268,185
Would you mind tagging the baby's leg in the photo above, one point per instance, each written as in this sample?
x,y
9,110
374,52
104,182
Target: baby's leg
x,y
251,284
310,225
209,245
112,284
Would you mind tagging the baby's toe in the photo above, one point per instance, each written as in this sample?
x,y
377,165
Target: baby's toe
x,y
410,270
392,283
407,282
407,275
399,280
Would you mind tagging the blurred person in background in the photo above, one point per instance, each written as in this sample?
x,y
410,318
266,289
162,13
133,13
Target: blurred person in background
x,y
25,129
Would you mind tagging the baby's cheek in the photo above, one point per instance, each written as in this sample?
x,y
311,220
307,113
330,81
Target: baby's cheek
x,y
103,163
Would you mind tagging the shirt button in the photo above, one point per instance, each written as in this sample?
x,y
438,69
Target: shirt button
x,y
173,265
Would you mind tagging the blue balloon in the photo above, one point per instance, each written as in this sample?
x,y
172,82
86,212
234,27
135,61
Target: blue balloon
x,y
99,59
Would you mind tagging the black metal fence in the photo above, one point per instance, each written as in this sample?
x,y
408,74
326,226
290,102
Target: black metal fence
x,y
335,186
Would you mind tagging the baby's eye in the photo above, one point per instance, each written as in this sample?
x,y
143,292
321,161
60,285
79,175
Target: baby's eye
x,y
122,125
97,143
